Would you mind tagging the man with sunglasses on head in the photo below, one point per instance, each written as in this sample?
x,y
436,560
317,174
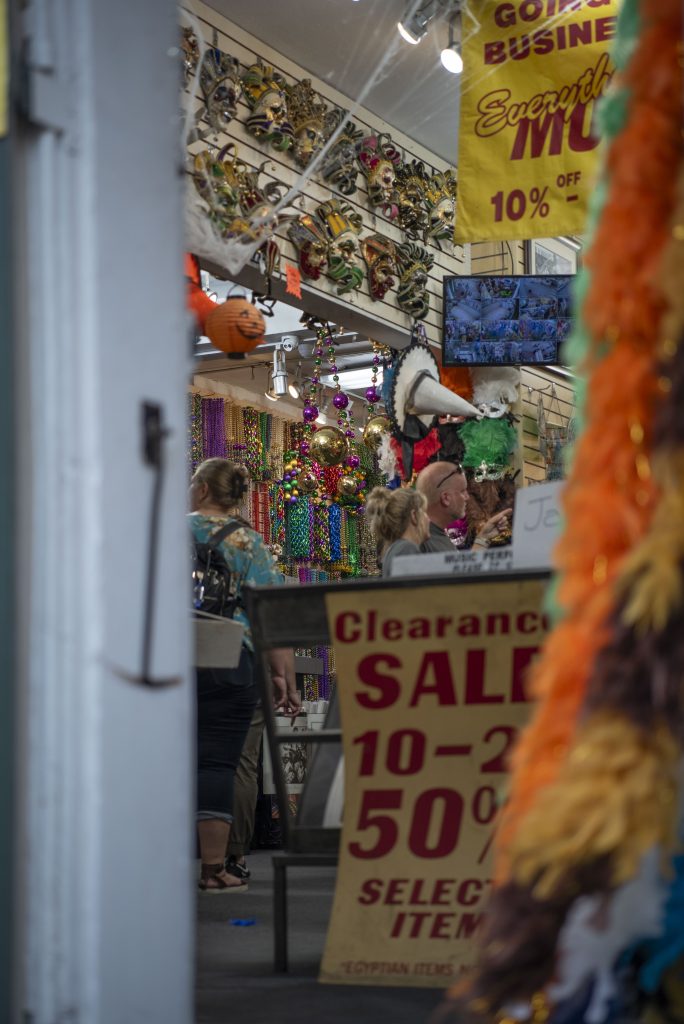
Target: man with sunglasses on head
x,y
446,491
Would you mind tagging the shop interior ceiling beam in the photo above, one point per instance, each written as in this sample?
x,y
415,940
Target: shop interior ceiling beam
x,y
327,306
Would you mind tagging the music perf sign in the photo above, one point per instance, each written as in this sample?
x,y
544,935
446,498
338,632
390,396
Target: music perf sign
x,y
432,695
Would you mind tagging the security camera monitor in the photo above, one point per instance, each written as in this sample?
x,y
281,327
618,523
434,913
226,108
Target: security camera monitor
x,y
506,321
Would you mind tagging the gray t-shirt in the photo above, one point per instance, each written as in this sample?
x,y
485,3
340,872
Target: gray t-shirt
x,y
399,547
437,541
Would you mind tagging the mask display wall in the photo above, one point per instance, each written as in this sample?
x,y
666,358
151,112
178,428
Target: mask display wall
x,y
336,241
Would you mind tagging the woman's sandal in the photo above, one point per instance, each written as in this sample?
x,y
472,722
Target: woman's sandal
x,y
240,871
212,872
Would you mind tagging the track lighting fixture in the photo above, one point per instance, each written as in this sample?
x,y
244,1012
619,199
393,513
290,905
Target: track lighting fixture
x,y
269,387
451,55
279,374
295,388
414,25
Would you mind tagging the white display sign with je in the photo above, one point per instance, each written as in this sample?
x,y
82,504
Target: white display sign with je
x,y
536,525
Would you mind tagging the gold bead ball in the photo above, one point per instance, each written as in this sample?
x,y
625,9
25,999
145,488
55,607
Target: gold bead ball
x,y
346,486
374,429
329,446
308,483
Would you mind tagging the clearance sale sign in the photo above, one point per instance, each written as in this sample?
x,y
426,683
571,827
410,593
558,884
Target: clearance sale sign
x,y
431,690
533,72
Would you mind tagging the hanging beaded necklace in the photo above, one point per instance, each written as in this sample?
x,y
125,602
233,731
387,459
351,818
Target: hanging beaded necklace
x,y
195,434
213,428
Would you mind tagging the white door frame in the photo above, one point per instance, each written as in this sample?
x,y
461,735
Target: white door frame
x,y
104,927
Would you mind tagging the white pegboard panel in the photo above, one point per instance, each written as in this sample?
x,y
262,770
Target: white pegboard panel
x,y
381,320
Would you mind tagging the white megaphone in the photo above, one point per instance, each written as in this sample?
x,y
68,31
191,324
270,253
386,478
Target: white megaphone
x,y
429,397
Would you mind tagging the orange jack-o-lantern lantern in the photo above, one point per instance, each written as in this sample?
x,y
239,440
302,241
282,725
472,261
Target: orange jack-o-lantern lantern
x,y
235,326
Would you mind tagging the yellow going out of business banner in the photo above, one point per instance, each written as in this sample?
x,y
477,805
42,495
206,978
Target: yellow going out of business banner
x,y
431,690
527,161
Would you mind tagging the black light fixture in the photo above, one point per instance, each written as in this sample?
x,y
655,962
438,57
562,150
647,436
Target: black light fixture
x,y
414,25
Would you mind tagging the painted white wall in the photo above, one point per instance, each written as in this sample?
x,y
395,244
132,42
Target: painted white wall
x,y
105,923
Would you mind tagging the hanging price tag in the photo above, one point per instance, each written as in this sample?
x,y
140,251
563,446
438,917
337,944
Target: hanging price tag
x,y
293,281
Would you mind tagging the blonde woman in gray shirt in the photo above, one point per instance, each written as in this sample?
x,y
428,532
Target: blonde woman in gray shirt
x,y
399,522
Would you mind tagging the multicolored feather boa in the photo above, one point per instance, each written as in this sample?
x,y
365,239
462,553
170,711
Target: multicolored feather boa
x,y
592,817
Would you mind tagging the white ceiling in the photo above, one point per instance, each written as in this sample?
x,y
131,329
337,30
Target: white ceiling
x,y
345,41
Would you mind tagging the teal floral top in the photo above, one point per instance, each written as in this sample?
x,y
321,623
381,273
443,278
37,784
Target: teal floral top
x,y
246,555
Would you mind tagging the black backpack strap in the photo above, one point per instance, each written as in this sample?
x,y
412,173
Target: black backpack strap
x,y
225,531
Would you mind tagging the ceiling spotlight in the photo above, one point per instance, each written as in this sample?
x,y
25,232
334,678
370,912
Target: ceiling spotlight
x,y
279,375
413,29
325,407
295,388
414,24
269,388
450,56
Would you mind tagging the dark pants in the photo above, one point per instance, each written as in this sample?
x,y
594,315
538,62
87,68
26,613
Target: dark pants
x,y
247,788
226,699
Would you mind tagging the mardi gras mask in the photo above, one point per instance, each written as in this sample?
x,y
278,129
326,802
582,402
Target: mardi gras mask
x,y
217,184
221,87
327,242
190,54
238,204
310,239
380,254
441,204
340,167
343,227
258,202
265,94
379,159
414,264
411,185
308,116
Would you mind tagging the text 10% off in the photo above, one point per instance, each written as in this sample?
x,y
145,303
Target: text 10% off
x,y
515,205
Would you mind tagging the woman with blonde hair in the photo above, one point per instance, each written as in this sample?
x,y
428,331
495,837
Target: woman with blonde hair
x,y
399,522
